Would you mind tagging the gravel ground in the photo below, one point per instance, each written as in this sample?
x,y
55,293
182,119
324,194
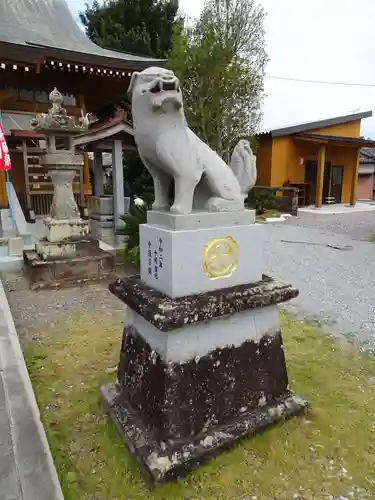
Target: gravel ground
x,y
336,286
359,225
31,310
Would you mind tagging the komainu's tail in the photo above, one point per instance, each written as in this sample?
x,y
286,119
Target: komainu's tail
x,y
243,165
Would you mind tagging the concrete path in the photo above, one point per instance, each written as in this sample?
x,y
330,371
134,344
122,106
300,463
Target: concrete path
x,y
27,471
359,226
336,287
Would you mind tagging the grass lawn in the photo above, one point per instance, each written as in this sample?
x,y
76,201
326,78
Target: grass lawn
x,y
331,451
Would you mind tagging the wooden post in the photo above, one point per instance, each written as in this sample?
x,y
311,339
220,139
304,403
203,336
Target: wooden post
x,y
86,174
118,182
354,182
320,176
30,214
82,102
81,193
3,190
98,173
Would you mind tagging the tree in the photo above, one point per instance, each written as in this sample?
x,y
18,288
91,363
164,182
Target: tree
x,y
144,27
221,63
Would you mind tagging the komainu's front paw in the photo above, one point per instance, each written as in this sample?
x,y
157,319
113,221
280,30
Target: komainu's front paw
x,y
215,204
179,210
160,207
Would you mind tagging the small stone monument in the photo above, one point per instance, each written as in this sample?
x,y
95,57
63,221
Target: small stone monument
x,y
66,253
202,360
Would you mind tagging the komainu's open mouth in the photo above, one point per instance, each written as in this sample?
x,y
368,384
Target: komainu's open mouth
x,y
164,86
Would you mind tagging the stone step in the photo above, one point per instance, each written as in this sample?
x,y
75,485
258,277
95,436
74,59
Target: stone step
x,y
9,484
6,220
10,264
11,254
11,246
23,443
89,264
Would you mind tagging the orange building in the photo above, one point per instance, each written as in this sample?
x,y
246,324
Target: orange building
x,y
320,158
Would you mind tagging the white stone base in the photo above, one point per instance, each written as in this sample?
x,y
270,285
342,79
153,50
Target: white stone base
x,y
180,263
48,250
199,339
15,247
200,220
102,229
61,229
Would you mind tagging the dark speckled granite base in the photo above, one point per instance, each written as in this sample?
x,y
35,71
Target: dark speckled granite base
x,y
178,400
174,416
168,314
164,461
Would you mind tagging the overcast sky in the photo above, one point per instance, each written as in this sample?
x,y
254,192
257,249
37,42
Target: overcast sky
x,y
324,40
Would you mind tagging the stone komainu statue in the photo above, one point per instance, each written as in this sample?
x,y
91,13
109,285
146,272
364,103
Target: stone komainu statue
x,y
172,152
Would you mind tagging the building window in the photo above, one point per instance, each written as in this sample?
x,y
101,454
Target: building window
x,y
69,100
41,96
14,92
26,95
38,95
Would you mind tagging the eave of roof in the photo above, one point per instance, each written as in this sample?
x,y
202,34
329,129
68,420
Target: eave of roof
x,y
106,131
39,29
305,127
27,134
354,141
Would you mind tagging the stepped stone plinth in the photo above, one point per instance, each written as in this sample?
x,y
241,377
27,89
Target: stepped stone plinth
x,y
202,360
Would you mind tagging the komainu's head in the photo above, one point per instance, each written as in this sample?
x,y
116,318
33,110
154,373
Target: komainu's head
x,y
155,89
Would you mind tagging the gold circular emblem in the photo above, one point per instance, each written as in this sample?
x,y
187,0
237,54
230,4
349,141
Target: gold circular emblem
x,y
220,257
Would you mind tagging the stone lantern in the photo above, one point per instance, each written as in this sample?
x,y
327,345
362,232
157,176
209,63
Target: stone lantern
x,y
64,221
66,255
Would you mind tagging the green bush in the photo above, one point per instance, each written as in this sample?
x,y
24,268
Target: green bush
x,y
262,199
137,215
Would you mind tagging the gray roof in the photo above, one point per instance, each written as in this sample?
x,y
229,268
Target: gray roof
x,y
367,156
49,24
305,127
16,121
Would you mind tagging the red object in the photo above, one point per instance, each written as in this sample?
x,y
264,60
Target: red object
x,y
5,163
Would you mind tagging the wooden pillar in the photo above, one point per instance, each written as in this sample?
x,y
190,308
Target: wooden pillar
x,y
82,202
98,173
82,102
320,176
30,212
3,190
118,182
354,180
86,175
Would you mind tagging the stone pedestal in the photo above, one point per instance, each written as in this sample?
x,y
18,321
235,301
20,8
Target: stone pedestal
x,y
102,216
64,221
187,254
56,265
202,360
